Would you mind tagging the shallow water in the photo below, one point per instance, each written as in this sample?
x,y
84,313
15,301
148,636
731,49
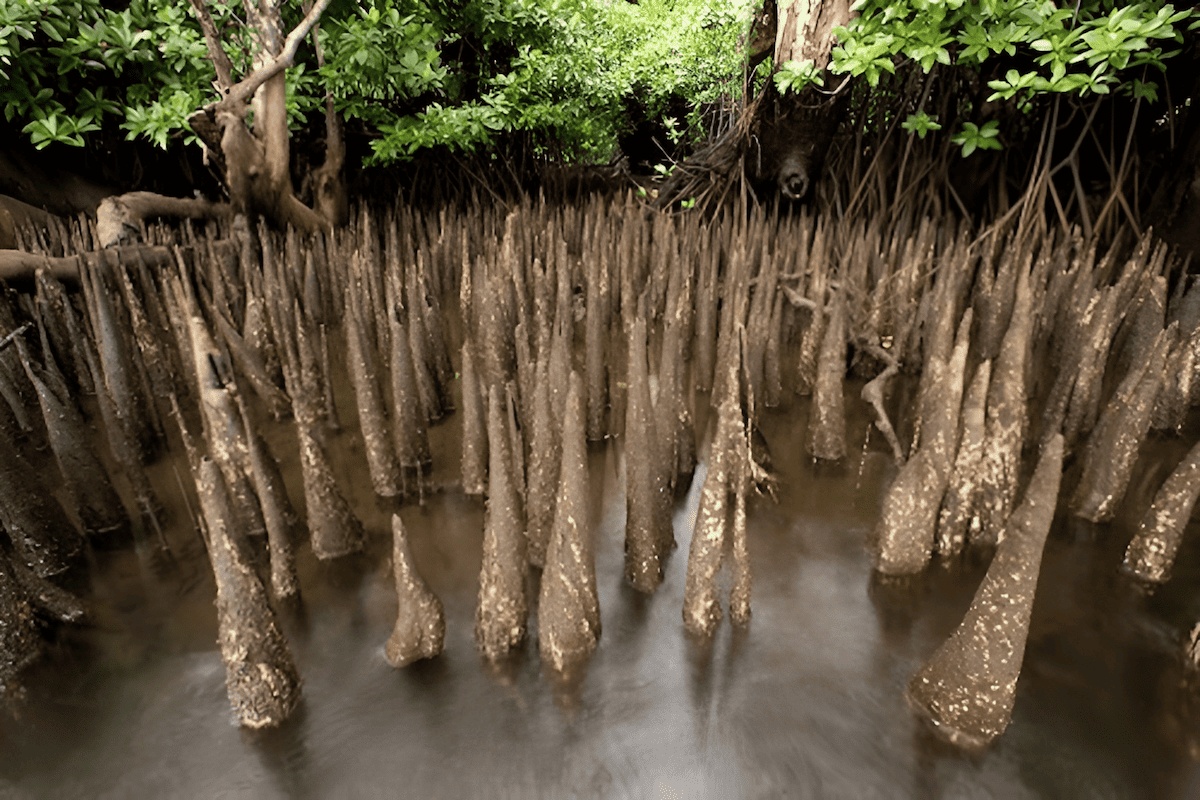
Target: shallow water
x,y
805,702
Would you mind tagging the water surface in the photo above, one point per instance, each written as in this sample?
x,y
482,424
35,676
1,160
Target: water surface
x,y
807,701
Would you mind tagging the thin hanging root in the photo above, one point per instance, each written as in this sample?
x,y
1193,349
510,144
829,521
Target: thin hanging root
x,y
193,456
7,340
189,441
197,523
873,394
150,512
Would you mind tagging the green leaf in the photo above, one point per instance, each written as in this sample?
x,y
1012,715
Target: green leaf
x,y
920,124
50,30
973,137
1147,90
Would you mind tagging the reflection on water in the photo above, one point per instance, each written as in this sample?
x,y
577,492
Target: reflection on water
x,y
806,702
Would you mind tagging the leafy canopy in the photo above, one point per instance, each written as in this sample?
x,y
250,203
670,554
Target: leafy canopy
x,y
412,74
557,70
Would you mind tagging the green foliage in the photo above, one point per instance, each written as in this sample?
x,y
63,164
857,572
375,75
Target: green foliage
x,y
562,70
920,124
495,67
1088,48
687,48
795,76
378,56
412,74
76,67
973,137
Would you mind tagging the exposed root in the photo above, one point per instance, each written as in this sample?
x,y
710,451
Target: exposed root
x,y
873,393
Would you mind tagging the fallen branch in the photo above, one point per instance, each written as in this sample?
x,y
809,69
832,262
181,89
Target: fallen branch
x,y
18,265
118,216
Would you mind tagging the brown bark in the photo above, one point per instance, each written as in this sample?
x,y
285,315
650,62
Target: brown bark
x,y
500,618
270,99
804,31
329,196
18,265
967,688
764,28
1151,553
260,676
420,629
118,216
42,535
827,424
701,606
648,532
569,607
88,488
20,644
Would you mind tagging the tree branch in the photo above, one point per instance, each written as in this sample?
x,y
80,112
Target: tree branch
x,y
335,148
242,92
216,52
